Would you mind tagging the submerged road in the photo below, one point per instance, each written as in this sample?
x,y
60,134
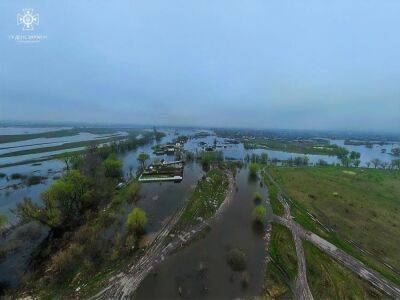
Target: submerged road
x,y
124,284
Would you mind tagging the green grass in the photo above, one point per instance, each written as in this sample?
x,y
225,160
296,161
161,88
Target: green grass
x,y
208,195
359,204
282,268
328,279
277,207
283,250
306,147
275,285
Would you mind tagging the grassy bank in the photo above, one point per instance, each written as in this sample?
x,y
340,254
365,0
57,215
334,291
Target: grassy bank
x,y
277,207
207,197
283,266
359,205
328,279
321,147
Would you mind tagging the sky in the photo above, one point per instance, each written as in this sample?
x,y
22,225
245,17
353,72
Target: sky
x,y
263,64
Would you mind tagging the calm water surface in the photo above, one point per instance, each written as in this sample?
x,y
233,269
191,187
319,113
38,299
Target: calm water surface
x,y
200,270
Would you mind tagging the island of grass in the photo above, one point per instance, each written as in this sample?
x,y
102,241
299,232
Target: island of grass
x,y
352,208
328,279
207,197
282,268
308,146
277,207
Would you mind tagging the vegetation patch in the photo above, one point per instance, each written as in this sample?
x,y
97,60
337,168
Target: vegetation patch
x,y
362,208
283,251
207,197
277,207
328,279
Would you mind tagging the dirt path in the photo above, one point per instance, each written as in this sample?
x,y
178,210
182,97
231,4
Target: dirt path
x,y
125,283
300,286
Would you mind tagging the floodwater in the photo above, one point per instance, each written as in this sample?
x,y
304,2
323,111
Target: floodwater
x,y
201,270
161,200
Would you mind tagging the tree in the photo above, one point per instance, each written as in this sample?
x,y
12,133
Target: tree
x,y
236,258
356,163
257,197
321,163
259,213
395,164
113,166
136,221
64,202
396,151
253,169
376,162
142,158
264,157
355,155
345,161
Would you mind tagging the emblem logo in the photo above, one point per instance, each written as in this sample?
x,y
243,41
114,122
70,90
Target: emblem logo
x,y
28,19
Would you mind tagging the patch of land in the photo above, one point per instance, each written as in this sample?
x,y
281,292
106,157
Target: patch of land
x,y
301,146
62,146
282,265
50,134
328,279
206,198
355,209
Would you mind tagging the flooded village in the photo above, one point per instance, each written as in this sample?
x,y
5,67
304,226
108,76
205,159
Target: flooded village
x,y
185,190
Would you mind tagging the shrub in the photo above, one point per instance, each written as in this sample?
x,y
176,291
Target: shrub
x,y
257,197
259,213
2,175
253,169
16,176
136,220
113,166
34,179
236,259
133,191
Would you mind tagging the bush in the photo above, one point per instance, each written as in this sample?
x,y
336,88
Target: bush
x,y
66,261
259,213
136,221
257,197
236,259
253,169
34,179
113,166
2,175
16,176
132,192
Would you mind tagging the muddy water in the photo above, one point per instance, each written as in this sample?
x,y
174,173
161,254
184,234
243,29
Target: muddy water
x,y
160,200
200,270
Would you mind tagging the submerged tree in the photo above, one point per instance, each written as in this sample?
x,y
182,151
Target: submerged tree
x,y
142,158
253,169
259,213
136,221
113,166
63,202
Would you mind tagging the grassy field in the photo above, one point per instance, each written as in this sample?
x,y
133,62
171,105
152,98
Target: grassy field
x,y
283,266
209,194
277,207
360,205
328,279
294,146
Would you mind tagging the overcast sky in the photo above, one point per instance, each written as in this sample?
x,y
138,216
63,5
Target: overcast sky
x,y
269,64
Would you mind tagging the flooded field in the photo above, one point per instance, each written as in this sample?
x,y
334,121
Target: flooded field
x,y
201,270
